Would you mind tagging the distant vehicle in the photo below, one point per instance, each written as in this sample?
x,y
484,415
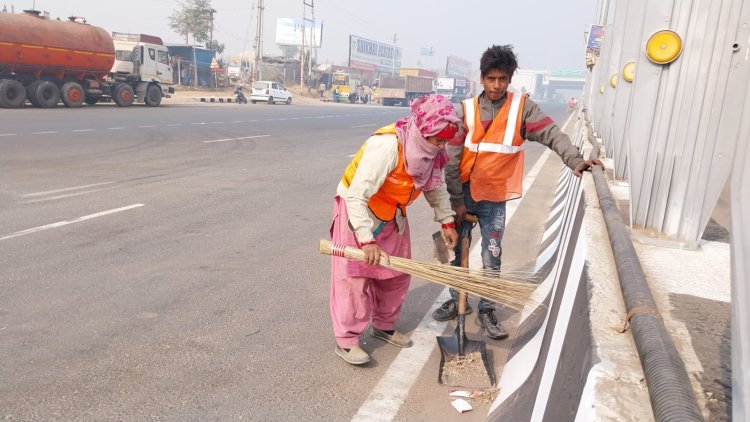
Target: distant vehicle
x,y
344,87
239,95
45,61
238,70
270,92
403,89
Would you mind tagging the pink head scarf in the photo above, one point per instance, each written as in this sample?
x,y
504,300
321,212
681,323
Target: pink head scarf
x,y
424,161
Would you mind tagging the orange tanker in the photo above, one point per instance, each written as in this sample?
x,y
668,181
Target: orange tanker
x,y
45,60
29,44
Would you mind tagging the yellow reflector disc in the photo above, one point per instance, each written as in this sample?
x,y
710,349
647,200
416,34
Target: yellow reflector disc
x,y
664,47
613,80
601,88
628,71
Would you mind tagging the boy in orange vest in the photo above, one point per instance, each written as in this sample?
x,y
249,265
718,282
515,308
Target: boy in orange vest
x,y
486,164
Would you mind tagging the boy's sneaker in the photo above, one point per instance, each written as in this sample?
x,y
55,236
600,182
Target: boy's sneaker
x,y
492,328
449,310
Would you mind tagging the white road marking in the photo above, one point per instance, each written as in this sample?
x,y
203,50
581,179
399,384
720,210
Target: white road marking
x,y
28,195
354,127
7,134
217,123
236,139
236,121
388,396
147,126
66,222
174,124
42,133
69,195
116,128
198,123
83,130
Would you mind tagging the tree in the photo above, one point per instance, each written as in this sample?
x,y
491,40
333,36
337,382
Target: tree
x,y
215,46
196,18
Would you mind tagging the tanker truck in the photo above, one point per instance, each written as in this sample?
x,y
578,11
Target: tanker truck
x,y
45,61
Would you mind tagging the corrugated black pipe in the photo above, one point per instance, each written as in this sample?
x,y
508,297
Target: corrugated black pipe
x,y
670,390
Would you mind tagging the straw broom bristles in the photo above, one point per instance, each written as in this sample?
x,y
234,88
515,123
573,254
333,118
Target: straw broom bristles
x,y
512,290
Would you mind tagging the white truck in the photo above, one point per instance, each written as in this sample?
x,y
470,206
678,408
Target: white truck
x,y
143,62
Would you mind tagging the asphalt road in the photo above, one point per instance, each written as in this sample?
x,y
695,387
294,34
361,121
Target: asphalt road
x,y
163,263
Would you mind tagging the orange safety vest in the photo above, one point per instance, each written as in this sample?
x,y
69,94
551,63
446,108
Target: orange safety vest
x,y
492,161
398,189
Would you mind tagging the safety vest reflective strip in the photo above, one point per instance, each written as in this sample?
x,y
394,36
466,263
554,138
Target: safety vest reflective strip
x,y
507,146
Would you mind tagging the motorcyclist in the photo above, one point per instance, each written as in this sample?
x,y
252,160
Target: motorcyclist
x,y
241,99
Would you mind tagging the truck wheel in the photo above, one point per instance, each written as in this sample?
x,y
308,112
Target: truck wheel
x,y
12,93
123,95
153,96
72,94
43,94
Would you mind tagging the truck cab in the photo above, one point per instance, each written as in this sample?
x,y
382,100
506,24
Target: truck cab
x,y
141,61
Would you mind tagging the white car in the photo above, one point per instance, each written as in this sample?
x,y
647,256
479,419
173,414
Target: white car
x,y
270,92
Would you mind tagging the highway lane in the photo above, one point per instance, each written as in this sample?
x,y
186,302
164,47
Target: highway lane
x,y
206,299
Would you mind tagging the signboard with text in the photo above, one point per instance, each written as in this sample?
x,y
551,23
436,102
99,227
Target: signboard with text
x,y
456,67
594,44
289,32
373,56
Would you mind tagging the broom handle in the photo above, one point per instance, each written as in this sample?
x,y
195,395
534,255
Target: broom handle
x,y
465,246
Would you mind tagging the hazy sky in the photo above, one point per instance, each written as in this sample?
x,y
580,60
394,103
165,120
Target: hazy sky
x,y
546,34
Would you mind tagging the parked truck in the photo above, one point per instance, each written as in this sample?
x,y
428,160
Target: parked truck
x,y
454,89
402,89
45,61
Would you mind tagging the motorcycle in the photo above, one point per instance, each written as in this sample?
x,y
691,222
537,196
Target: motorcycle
x,y
240,96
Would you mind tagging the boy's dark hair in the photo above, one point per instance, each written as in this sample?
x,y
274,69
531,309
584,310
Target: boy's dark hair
x,y
499,57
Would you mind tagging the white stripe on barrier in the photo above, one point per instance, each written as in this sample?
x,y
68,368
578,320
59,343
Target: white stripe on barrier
x,y
518,369
561,328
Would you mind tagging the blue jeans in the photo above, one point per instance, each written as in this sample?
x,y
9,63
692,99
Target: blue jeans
x,y
491,216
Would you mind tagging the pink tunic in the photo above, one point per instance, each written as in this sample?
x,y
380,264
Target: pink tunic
x,y
359,291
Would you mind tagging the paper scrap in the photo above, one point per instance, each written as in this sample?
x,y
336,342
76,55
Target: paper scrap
x,y
461,405
460,393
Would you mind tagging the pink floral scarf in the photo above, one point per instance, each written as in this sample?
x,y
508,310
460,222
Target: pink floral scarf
x,y
425,161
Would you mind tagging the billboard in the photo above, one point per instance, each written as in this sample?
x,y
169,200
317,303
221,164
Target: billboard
x,y
456,67
594,44
289,32
373,56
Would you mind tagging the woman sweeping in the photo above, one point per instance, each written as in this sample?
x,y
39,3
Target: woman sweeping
x,y
391,169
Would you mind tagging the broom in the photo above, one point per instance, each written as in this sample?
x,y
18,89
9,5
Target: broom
x,y
510,289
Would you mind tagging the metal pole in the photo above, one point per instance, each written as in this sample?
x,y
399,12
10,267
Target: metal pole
x,y
195,69
393,63
302,51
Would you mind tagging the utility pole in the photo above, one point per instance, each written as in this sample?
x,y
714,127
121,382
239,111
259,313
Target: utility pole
x,y
395,38
211,27
308,5
258,41
302,50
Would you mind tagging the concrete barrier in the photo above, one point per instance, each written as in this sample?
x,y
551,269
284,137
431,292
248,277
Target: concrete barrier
x,y
549,359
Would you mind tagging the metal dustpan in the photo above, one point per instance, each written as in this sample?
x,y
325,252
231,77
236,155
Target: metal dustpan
x,y
463,362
